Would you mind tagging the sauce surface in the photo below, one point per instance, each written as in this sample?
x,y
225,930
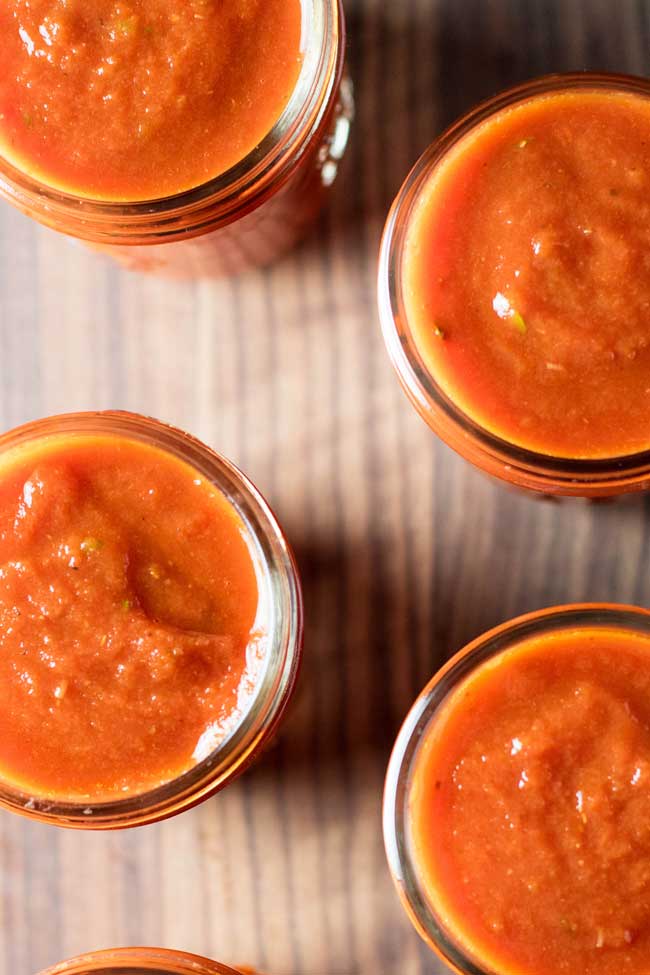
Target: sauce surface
x,y
128,604
527,274
530,807
139,100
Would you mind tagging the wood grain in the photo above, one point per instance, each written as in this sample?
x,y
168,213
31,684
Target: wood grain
x,y
406,553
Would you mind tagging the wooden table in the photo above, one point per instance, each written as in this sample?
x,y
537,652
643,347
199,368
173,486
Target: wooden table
x,y
406,552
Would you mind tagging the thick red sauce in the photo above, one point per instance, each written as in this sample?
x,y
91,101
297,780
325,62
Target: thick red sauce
x,y
138,100
529,811
527,274
128,605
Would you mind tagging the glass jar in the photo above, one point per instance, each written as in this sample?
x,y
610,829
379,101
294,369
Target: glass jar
x,y
515,465
401,858
280,605
139,961
247,216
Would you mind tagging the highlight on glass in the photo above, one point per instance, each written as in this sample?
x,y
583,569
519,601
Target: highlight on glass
x,y
141,961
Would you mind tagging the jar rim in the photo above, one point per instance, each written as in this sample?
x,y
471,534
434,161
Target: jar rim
x,y
226,197
422,713
517,465
275,684
139,961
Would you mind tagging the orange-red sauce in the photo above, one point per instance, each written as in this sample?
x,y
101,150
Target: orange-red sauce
x,y
527,274
128,604
134,100
530,807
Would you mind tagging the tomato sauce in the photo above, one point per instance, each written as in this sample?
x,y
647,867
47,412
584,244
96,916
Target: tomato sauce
x,y
527,278
138,100
529,807
128,608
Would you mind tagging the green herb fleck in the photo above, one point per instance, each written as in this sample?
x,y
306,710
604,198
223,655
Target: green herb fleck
x,y
127,25
518,321
91,544
149,30
568,925
503,308
126,605
28,119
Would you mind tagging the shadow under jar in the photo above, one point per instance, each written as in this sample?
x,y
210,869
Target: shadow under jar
x,y
150,621
514,285
169,214
517,798
140,961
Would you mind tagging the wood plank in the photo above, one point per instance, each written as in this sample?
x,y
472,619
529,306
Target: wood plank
x,y
405,552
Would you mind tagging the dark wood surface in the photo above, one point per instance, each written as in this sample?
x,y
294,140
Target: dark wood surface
x,y
406,553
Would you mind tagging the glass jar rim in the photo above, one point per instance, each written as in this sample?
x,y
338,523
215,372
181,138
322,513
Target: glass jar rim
x,y
226,197
403,869
139,961
277,680
529,469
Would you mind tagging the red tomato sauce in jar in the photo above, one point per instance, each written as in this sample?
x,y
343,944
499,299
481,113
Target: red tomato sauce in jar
x,y
526,274
529,806
139,100
128,617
